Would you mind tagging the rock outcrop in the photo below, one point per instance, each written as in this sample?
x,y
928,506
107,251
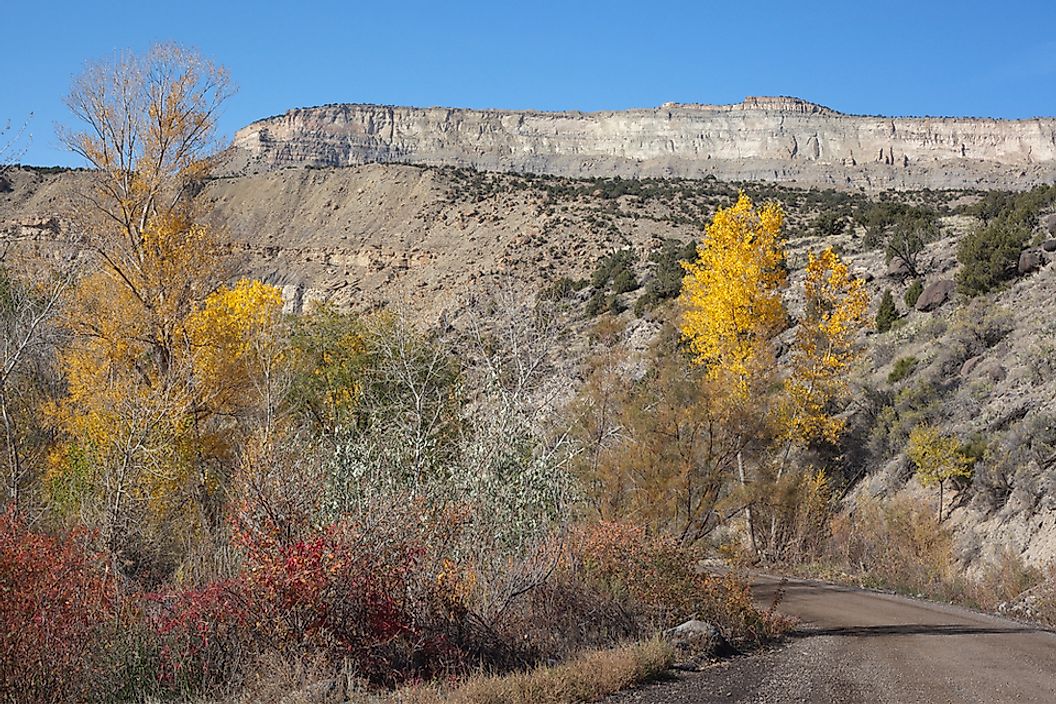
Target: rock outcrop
x,y
935,294
760,139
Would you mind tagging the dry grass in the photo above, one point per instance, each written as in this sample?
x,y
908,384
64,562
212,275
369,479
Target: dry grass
x,y
585,678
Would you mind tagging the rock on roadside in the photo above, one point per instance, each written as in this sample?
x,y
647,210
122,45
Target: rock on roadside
x,y
698,642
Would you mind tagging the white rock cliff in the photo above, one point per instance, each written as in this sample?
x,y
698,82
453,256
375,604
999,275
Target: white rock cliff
x,y
762,138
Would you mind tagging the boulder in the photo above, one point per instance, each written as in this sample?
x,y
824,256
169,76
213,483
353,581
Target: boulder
x,y
935,294
696,642
1029,261
897,269
1048,246
1048,223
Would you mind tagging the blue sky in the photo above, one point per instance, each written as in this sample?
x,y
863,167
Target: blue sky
x,y
929,57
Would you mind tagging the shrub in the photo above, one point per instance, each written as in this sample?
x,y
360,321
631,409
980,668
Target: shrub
x,y
897,544
913,292
202,636
596,304
562,289
887,314
347,593
884,219
989,256
904,366
624,281
668,272
658,580
57,601
1002,580
610,267
829,223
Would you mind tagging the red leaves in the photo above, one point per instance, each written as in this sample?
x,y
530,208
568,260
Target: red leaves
x,y
56,600
203,633
362,597
338,590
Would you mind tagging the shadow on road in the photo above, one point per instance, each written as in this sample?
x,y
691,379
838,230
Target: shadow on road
x,y
914,629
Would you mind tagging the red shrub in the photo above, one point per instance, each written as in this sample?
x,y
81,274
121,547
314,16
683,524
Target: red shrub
x,y
346,593
56,607
203,636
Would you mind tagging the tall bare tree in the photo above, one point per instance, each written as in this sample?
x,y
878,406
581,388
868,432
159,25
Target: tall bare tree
x,y
149,134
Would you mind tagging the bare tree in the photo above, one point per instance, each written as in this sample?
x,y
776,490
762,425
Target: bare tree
x,y
27,339
149,133
11,149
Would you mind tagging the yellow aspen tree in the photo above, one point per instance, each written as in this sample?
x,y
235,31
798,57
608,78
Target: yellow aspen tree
x,y
235,347
731,295
732,307
937,458
149,129
825,348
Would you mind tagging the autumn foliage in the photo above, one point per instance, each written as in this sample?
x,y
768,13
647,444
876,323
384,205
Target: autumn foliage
x,y
732,293
215,486
57,601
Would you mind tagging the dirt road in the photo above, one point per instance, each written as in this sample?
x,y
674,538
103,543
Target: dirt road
x,y
861,647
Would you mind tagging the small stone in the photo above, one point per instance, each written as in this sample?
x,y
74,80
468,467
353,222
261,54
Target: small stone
x,y
970,364
698,641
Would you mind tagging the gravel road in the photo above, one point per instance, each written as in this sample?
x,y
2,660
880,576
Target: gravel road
x,y
860,647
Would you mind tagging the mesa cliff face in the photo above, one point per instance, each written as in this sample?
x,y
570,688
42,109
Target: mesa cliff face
x,y
760,139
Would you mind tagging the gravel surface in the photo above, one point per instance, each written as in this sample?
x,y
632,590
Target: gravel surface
x,y
860,647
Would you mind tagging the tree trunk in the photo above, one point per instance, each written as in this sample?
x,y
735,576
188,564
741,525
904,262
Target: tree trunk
x,y
747,507
940,500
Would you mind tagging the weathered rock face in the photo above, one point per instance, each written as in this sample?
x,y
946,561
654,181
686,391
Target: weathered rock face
x,y
775,139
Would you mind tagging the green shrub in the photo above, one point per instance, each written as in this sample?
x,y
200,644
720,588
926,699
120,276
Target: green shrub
x,y
829,223
902,369
596,304
913,292
886,220
989,256
611,266
624,281
644,303
562,289
668,271
887,314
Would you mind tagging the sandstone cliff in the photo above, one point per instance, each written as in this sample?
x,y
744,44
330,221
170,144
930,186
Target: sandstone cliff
x,y
760,139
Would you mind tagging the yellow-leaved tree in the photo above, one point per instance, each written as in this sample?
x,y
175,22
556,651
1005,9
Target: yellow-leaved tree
x,y
826,346
732,307
163,360
731,295
937,458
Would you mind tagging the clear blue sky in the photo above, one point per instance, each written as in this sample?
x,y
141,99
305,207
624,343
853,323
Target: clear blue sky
x,y
927,57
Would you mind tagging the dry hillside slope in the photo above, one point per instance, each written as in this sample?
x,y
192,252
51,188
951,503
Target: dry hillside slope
x,y
433,240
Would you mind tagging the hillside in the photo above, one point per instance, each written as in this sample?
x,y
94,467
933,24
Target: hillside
x,y
433,241
761,139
